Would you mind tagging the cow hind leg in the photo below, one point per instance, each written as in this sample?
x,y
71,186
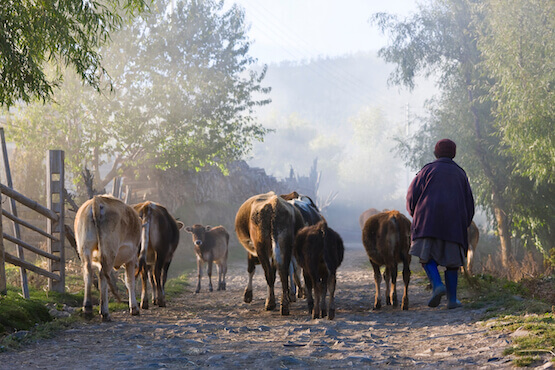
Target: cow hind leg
x,y
285,297
158,278
393,292
251,265
88,279
406,280
144,291
377,282
130,284
331,288
308,290
103,277
224,273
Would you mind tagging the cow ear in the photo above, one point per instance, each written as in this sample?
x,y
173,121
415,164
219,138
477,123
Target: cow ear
x,y
208,227
180,225
189,229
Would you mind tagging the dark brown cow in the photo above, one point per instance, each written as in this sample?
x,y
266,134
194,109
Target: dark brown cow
x,y
160,237
266,226
211,245
311,215
473,238
386,238
319,251
108,235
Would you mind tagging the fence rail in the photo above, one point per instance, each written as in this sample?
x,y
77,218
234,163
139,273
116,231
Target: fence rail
x,y
54,234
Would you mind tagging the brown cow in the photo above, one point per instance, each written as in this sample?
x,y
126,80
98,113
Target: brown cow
x,y
266,226
108,235
319,251
473,238
211,245
159,240
386,238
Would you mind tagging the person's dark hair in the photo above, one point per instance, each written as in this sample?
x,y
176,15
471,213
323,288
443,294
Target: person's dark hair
x,y
445,148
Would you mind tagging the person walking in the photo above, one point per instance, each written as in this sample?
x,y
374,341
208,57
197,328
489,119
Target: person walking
x,y
441,203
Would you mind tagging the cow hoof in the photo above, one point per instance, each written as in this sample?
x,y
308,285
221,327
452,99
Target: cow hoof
x,y
270,306
293,297
210,289
197,291
331,315
247,297
324,313
161,303
284,311
88,315
135,311
106,317
315,315
144,305
377,306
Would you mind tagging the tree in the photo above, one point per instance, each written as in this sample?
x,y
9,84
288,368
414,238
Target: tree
x,y
518,48
64,32
442,39
183,97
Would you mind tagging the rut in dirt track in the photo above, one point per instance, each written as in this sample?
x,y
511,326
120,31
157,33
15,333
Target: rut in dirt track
x,y
219,330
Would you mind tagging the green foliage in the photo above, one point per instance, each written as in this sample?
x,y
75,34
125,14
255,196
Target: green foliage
x,y
182,97
447,39
67,32
518,46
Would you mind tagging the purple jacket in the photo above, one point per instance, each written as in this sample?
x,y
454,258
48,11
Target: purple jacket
x,y
441,203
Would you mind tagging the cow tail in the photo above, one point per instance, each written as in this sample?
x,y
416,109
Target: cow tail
x,y
98,213
145,235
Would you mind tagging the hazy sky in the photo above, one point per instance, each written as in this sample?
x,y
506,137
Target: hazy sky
x,y
305,29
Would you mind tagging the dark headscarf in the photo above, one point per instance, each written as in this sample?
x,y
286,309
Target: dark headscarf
x,y
445,148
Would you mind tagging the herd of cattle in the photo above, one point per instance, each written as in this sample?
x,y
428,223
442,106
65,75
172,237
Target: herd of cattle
x,y
286,234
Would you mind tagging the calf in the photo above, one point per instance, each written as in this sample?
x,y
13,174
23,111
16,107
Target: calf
x,y
319,251
211,245
386,238
159,240
108,235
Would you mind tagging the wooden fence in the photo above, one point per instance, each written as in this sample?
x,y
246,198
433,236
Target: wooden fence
x,y
54,234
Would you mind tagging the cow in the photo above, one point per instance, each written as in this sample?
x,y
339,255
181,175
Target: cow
x,y
108,236
473,238
366,214
319,251
266,226
211,245
311,215
386,238
159,240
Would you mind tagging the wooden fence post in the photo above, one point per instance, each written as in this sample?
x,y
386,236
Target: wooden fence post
x,y
3,287
55,202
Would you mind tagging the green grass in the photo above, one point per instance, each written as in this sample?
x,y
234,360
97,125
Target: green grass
x,y
509,306
32,315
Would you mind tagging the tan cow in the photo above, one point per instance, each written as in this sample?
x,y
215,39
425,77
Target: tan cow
x,y
473,238
266,226
386,238
211,246
159,240
108,234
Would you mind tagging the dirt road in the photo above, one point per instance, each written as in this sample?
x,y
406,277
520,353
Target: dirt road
x,y
219,330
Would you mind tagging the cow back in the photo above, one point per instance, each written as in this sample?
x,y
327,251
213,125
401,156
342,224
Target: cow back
x,y
386,237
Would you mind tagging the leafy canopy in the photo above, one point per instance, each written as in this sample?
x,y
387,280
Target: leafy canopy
x,y
63,32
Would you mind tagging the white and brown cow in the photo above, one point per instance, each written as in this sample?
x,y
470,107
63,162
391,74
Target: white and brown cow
x,y
319,251
211,246
159,240
107,234
386,238
266,226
